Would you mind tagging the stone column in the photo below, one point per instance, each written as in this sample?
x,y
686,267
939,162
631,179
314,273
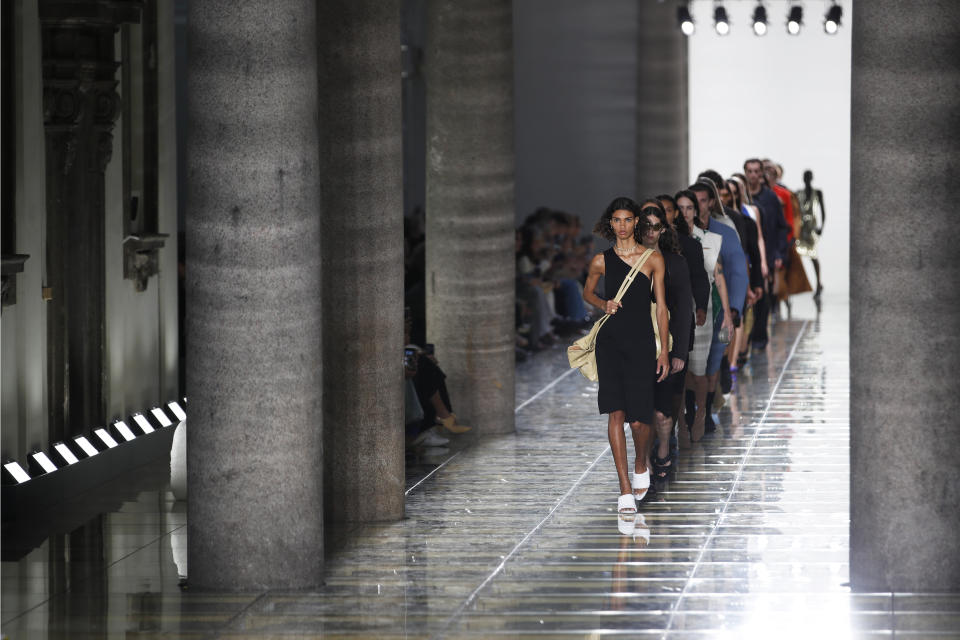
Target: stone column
x,y
253,319
362,247
470,206
80,107
905,298
662,144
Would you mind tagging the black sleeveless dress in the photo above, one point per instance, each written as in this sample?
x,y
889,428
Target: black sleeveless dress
x,y
626,350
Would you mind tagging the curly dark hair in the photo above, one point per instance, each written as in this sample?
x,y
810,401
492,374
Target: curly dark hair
x,y
680,221
603,228
668,239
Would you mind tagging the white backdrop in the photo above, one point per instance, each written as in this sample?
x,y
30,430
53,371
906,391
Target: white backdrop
x,y
777,96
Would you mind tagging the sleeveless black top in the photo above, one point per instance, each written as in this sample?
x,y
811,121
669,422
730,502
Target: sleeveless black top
x,y
626,351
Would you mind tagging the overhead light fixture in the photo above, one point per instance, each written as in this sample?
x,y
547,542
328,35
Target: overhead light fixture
x,y
177,410
63,453
161,417
760,20
86,448
685,20
720,21
105,438
831,22
794,20
42,462
13,473
143,423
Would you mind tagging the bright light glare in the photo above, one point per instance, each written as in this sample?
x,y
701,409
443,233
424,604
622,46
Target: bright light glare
x,y
124,430
45,463
760,28
85,445
830,27
161,417
723,28
177,411
17,472
687,28
143,423
65,452
106,438
793,27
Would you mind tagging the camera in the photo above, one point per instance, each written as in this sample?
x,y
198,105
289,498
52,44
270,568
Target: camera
x,y
410,358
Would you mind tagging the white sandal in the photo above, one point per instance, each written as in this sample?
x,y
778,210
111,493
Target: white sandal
x,y
641,481
626,504
640,529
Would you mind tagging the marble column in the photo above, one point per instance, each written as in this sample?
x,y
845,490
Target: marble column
x,y
253,323
662,143
470,206
905,298
362,248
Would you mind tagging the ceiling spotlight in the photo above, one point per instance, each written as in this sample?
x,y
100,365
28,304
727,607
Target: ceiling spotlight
x,y
720,21
760,20
685,20
831,22
794,19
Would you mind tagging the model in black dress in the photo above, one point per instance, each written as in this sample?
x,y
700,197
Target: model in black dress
x,y
627,362
680,303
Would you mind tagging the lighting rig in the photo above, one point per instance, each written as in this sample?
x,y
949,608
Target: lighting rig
x,y
759,21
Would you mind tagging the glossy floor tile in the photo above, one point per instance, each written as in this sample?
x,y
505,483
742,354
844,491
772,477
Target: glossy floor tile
x,y
518,536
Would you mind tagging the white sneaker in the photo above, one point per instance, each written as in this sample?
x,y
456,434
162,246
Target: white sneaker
x,y
434,439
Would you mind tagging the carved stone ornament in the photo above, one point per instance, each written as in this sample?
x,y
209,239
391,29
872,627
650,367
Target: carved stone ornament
x,y
62,106
141,258
68,151
104,150
12,265
106,104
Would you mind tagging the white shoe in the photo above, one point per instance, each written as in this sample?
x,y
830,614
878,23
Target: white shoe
x,y
626,523
640,482
434,439
641,531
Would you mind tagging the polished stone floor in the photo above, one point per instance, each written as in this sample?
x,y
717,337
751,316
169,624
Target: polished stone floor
x,y
518,535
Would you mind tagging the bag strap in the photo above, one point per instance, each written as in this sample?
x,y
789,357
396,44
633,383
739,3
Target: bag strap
x,y
631,275
625,284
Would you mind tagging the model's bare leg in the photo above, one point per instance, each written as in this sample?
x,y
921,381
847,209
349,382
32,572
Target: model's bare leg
x,y
700,394
816,294
618,445
642,444
712,381
683,432
664,430
683,429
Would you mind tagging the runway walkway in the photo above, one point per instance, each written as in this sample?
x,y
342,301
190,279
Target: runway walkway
x,y
518,536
